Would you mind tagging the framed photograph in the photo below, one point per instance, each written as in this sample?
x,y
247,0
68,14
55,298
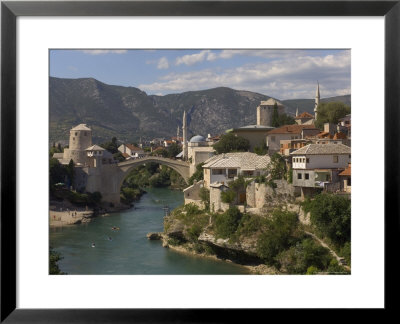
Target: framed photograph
x,y
244,109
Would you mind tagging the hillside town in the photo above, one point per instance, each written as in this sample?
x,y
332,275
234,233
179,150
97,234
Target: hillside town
x,y
253,169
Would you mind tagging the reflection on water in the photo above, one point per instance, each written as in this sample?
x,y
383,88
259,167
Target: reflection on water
x,y
127,250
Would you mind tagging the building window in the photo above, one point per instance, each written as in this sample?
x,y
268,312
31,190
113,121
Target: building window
x,y
73,138
272,138
306,176
218,171
335,159
232,173
299,176
308,160
76,133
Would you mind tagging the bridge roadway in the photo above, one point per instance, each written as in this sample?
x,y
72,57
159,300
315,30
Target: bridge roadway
x,y
183,168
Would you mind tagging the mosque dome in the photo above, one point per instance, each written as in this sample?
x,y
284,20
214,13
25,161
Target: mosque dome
x,y
197,139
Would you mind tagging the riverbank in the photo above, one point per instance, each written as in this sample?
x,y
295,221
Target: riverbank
x,y
190,249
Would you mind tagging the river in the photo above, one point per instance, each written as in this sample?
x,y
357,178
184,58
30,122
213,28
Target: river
x,y
129,251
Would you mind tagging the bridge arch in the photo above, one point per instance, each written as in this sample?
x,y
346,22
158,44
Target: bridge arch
x,y
108,179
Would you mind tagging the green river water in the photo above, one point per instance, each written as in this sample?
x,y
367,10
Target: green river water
x,y
129,251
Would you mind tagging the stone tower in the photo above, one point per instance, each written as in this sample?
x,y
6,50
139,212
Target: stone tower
x,y
80,138
184,135
265,111
317,99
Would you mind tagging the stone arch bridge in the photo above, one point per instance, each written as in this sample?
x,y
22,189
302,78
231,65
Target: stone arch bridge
x,y
108,178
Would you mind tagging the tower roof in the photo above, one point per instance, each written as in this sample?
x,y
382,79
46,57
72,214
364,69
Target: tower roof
x,y
81,127
271,102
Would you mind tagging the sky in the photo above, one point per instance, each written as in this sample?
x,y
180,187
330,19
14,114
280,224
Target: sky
x,y
282,74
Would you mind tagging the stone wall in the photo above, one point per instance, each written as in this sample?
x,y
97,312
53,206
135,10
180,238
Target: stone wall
x,y
257,194
216,203
192,194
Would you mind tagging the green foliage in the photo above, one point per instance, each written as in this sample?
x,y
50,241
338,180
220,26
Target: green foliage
x,y
249,224
331,215
336,268
161,179
118,156
303,255
205,197
227,223
331,112
277,167
173,150
281,232
192,210
198,174
284,119
261,149
70,171
193,232
231,143
55,149
128,195
57,172
54,257
228,196
275,116
312,270
260,179
174,241
94,198
345,251
290,175
111,146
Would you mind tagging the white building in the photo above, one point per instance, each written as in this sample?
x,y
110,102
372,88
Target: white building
x,y
317,166
131,150
223,168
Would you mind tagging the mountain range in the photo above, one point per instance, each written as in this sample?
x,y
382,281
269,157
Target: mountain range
x,y
128,113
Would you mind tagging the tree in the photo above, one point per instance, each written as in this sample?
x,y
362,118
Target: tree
x,y
331,112
231,143
57,172
111,146
205,197
331,215
198,174
281,232
275,116
70,171
173,150
277,167
227,223
261,149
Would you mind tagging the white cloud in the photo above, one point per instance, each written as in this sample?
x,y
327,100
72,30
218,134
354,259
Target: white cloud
x,y
163,63
103,51
290,76
191,59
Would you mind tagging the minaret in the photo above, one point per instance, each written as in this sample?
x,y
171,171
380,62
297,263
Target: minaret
x,y
317,98
177,134
184,135
297,111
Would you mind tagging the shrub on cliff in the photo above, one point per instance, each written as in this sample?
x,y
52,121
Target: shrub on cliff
x,y
281,232
331,215
227,223
303,255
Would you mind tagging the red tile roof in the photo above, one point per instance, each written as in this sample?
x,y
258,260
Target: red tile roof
x,y
126,155
290,129
304,115
346,172
133,147
339,135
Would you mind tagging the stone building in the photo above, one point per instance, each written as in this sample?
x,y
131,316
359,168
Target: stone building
x,y
223,168
265,111
80,139
316,167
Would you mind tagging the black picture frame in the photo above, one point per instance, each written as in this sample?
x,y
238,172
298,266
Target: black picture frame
x,y
11,10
